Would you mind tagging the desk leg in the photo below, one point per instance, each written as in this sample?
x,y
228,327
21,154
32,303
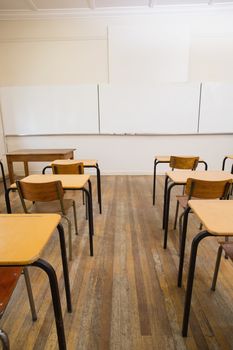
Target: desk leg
x,y
166,213
192,265
224,162
5,340
7,200
99,187
26,170
182,247
90,216
10,170
45,168
65,266
3,177
164,199
205,164
44,265
154,181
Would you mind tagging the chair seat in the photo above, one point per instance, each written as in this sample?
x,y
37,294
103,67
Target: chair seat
x,y
51,207
228,248
183,201
8,279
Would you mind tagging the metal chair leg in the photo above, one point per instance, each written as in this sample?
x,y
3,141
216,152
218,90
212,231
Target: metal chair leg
x,y
182,246
65,266
5,340
30,295
189,289
69,236
218,260
99,188
180,230
75,218
90,221
176,215
44,265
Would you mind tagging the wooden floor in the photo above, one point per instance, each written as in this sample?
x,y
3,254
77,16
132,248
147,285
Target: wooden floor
x,y
126,297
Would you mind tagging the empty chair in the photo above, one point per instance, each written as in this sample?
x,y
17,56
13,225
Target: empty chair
x,y
74,168
47,197
8,280
184,163
202,189
228,248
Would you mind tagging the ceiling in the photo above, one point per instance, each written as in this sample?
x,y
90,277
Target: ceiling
x,y
38,7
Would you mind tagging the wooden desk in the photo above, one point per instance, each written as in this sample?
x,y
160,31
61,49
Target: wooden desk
x,y
180,177
35,155
224,162
216,216
69,182
87,163
23,238
166,159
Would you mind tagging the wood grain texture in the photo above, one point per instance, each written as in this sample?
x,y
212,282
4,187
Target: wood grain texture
x,y
126,297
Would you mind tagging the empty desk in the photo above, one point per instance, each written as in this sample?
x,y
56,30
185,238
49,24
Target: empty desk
x,y
23,238
166,159
216,216
69,182
87,163
35,155
180,177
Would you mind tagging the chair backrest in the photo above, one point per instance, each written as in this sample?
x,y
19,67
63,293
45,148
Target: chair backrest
x,y
183,162
40,192
74,168
207,189
8,279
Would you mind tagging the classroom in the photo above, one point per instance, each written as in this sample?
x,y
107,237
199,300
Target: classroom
x,y
117,117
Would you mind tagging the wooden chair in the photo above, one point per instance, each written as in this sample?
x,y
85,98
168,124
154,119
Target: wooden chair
x,y
74,168
201,189
47,197
227,247
184,163
9,277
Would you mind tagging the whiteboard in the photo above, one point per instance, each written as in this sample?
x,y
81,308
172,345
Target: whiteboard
x,y
149,53
162,109
49,109
216,108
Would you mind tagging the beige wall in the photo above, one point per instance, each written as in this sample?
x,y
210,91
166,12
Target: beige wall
x,y
75,51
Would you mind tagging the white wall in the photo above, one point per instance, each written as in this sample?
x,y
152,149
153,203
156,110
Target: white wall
x,y
75,51
130,154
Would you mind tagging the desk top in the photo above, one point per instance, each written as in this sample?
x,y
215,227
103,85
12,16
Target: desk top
x,y
40,151
215,215
230,156
181,176
75,181
24,236
86,162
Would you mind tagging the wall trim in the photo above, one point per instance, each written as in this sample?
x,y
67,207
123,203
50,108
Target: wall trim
x,y
125,134
109,12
